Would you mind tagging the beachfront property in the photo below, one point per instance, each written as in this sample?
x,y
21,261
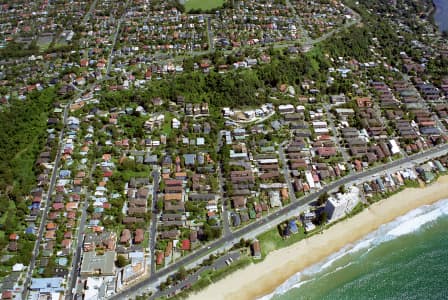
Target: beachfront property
x,y
340,204
256,249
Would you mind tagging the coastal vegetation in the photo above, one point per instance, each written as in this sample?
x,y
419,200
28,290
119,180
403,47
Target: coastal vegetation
x,y
272,240
22,137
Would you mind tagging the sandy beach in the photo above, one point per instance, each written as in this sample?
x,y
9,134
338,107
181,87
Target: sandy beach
x,y
260,279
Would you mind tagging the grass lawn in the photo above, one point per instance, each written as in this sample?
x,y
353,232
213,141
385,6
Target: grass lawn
x,y
202,4
127,175
145,243
271,240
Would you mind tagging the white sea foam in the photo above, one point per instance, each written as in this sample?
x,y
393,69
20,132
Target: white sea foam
x,y
409,223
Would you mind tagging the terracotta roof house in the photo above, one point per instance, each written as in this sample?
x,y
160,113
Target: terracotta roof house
x,y
50,235
51,226
160,257
125,236
239,201
185,245
173,197
66,243
139,236
7,295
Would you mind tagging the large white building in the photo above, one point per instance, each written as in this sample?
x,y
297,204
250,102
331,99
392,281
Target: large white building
x,y
341,204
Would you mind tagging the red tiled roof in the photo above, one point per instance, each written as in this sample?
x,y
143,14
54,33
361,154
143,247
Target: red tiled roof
x,y
186,245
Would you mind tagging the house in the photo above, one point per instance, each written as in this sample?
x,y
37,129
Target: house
x,y
66,243
292,226
170,234
338,99
104,240
286,108
47,285
236,220
7,295
274,198
256,249
185,245
193,236
363,102
159,258
125,236
175,123
239,201
13,237
190,159
168,252
139,236
326,151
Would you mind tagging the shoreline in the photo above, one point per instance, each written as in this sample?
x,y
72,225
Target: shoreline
x,y
257,280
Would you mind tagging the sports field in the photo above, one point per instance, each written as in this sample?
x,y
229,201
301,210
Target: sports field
x,y
202,4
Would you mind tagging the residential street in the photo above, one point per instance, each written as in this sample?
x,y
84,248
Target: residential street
x,y
335,136
41,230
288,179
76,260
154,218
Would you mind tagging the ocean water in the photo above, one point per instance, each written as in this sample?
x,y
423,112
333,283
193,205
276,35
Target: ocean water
x,y
441,14
404,259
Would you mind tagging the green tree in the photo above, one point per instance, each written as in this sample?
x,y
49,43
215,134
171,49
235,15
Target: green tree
x,y
322,198
181,273
121,261
323,217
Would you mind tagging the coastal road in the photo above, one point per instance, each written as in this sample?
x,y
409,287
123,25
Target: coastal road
x,y
220,263
272,220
